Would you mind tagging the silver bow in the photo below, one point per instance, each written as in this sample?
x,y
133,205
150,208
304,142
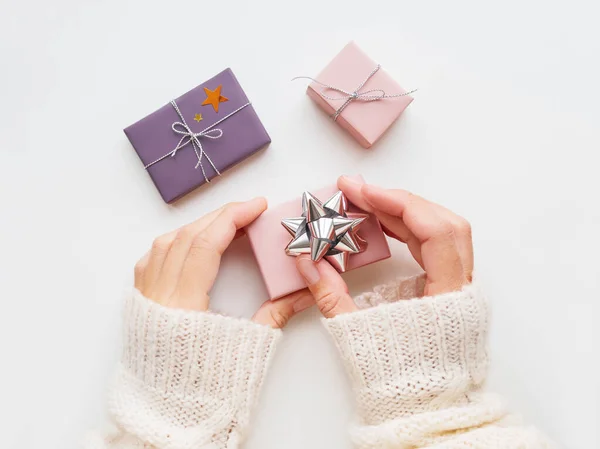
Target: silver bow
x,y
188,136
325,230
368,95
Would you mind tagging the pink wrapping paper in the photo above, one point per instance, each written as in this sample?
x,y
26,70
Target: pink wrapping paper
x,y
268,239
366,121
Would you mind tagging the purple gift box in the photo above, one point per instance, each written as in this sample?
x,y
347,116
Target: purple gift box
x,y
186,143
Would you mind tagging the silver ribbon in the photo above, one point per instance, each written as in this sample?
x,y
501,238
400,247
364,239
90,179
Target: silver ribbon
x,y
368,95
188,136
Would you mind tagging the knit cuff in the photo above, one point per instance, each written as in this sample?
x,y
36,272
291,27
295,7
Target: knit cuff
x,y
413,355
188,378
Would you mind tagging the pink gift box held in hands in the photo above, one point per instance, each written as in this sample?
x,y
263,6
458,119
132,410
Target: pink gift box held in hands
x,y
269,238
366,119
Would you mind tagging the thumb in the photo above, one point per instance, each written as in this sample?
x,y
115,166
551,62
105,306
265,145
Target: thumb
x,y
327,286
276,313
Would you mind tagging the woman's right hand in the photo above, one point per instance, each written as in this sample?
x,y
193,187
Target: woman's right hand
x,y
181,267
439,240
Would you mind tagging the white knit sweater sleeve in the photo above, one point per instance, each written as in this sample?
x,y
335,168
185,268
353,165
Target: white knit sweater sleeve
x,y
417,367
187,380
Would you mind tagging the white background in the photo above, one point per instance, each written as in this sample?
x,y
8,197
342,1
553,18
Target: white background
x,y
504,130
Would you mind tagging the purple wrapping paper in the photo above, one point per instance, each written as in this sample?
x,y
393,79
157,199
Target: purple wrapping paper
x,y
152,137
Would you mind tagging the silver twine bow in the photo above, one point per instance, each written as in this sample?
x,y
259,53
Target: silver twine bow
x,y
368,95
188,136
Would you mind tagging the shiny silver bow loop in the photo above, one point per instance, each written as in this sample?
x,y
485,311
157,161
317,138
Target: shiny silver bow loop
x,y
349,97
189,137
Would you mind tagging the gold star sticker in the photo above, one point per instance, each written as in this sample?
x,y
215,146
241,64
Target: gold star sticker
x,y
198,117
214,97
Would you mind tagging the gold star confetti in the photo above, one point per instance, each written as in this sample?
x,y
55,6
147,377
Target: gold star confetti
x,y
198,117
214,97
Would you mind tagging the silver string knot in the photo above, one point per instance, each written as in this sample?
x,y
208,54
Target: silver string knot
x,y
184,130
368,95
190,137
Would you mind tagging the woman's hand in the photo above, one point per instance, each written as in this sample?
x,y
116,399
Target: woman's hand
x,y
180,269
438,239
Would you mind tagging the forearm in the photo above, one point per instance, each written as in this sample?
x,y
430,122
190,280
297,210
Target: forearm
x,y
417,368
186,379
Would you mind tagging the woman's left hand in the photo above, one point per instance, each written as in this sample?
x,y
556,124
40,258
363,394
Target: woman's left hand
x,y
180,269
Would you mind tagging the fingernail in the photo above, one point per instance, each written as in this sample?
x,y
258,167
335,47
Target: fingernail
x,y
369,189
351,180
308,270
259,199
303,303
